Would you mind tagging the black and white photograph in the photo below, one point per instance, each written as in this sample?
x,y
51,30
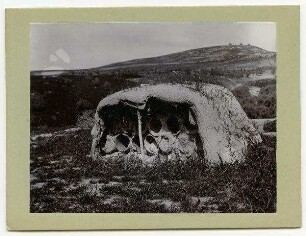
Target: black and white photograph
x,y
153,117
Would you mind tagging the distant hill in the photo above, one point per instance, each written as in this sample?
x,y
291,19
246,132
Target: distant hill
x,y
60,97
231,56
240,56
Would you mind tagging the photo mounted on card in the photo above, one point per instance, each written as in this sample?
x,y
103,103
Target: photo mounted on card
x,y
153,118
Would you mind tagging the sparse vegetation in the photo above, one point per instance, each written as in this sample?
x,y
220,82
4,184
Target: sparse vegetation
x,y
65,179
270,126
261,106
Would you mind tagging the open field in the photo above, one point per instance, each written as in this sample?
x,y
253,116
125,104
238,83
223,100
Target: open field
x,y
65,179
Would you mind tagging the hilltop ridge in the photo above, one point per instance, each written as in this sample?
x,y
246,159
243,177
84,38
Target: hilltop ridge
x,y
210,56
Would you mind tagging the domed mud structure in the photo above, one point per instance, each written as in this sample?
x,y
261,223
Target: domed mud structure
x,y
172,122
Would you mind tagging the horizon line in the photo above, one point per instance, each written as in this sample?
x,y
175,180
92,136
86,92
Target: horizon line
x,y
105,65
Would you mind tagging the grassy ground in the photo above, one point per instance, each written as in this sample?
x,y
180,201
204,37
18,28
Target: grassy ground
x,y
65,179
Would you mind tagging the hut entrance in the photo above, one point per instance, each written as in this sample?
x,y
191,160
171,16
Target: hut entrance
x,y
161,129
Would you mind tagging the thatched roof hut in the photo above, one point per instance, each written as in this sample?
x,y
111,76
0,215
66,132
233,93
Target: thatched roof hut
x,y
222,126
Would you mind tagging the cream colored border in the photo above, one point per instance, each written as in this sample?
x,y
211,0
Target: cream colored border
x,y
288,116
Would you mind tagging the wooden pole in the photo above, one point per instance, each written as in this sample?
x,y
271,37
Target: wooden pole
x,y
140,135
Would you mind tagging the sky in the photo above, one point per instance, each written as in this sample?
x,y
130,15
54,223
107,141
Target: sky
x,y
81,46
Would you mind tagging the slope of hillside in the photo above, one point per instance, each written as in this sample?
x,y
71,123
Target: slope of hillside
x,y
58,98
210,56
